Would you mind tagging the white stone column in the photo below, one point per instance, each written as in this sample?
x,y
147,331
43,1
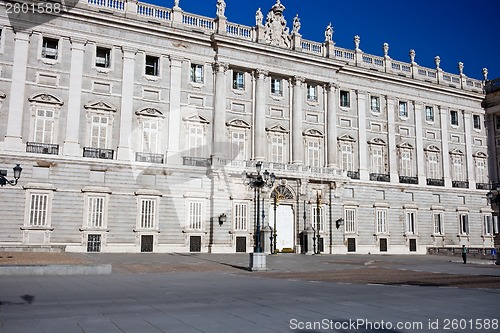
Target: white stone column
x,y
445,149
419,144
14,137
71,144
492,150
126,109
362,142
331,125
297,120
219,120
174,115
392,152
260,116
469,160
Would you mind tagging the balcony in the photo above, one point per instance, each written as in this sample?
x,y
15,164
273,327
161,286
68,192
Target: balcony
x,y
460,184
408,180
196,161
149,158
380,177
353,174
435,182
42,148
106,154
484,186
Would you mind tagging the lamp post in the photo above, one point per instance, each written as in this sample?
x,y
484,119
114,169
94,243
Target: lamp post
x,y
257,181
276,202
318,216
17,174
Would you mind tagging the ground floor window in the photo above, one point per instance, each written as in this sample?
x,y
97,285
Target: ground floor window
x,y
94,243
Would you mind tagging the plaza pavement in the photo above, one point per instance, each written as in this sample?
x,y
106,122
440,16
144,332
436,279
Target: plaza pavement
x,y
214,293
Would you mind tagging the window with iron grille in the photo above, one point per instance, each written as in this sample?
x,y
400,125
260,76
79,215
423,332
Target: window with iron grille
x,y
39,210
195,216
148,213
94,243
381,220
438,223
350,220
96,209
464,223
240,211
411,223
487,225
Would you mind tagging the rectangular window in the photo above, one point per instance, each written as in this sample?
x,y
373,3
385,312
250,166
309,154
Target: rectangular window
x,y
406,163
464,224
99,132
315,219
403,109
345,100
429,113
438,223
381,221
312,92
195,215
94,243
378,160
50,48
196,74
277,146
195,141
38,210
276,87
103,57
238,140
487,225
350,220
150,137
410,223
347,157
375,104
44,126
148,213
95,212
313,153
454,118
152,66
238,80
477,121
432,166
496,226
458,173
240,212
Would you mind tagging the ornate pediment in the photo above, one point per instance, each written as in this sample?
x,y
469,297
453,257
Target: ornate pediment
x,y
196,118
276,32
313,132
277,128
149,112
432,148
101,106
405,145
456,151
480,154
46,98
2,95
377,141
238,123
346,137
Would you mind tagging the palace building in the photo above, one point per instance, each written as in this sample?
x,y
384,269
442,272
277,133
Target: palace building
x,y
134,123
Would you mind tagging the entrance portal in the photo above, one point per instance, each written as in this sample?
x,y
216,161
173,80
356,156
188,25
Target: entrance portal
x,y
284,226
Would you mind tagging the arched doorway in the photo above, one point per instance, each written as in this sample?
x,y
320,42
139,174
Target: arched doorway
x,y
281,217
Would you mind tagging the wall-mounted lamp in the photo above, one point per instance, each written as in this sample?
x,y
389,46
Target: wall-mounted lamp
x,y
222,219
339,223
17,174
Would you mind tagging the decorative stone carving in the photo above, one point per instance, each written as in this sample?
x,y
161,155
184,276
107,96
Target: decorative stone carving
x,y
276,32
221,8
385,48
412,56
461,68
485,74
357,40
149,112
296,25
176,3
437,61
329,33
258,17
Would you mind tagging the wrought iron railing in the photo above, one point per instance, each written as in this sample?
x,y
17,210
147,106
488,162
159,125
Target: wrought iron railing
x,y
484,186
408,180
380,177
42,148
353,174
149,157
435,182
106,154
196,161
460,184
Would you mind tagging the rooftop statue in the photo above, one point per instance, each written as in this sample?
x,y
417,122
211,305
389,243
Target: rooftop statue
x,y
258,17
221,8
296,24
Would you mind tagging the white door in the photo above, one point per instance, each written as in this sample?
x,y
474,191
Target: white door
x,y
284,226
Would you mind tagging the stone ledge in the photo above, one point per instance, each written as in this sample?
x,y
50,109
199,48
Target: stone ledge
x,y
43,270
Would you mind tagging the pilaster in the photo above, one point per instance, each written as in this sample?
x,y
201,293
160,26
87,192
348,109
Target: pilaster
x,y
469,160
362,142
419,144
260,115
219,120
331,125
174,115
71,145
13,137
391,146
124,146
297,120
443,112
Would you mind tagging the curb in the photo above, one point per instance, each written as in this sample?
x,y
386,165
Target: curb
x,y
58,270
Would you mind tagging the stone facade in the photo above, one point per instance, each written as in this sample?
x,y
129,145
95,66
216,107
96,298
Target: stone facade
x,y
133,124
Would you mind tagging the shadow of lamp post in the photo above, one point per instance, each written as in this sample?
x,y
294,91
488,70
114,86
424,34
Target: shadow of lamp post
x,y
17,174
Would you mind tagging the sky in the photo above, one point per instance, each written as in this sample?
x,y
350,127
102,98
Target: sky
x,y
456,30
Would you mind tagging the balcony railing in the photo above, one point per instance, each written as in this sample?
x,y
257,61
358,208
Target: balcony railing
x,y
460,184
106,154
353,174
148,157
435,182
380,177
196,161
408,180
42,148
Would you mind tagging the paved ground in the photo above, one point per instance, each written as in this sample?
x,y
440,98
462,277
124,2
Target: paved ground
x,y
214,293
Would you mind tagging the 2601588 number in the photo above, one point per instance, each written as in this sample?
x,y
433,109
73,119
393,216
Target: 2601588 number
x,y
471,324
39,8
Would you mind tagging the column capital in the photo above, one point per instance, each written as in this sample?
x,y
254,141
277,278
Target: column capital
x,y
129,52
175,58
331,86
220,67
298,80
261,74
361,93
23,36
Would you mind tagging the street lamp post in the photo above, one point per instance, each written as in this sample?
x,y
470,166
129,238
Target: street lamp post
x,y
17,174
258,181
318,216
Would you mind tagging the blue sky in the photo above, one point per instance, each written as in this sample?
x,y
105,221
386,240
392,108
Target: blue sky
x,y
456,30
